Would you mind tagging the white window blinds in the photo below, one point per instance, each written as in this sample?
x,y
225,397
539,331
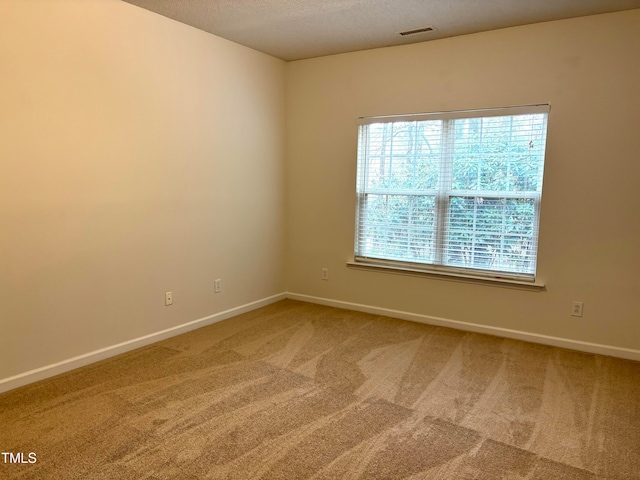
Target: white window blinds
x,y
454,191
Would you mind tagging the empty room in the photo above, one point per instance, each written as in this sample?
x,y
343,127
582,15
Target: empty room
x,y
362,239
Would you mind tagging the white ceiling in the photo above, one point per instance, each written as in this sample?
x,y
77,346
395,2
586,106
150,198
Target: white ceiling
x,y
297,29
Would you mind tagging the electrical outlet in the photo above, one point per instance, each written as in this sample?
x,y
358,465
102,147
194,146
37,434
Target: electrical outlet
x,y
325,274
217,286
168,299
576,309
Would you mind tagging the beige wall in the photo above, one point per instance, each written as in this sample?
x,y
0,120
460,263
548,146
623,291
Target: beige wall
x,y
589,71
137,156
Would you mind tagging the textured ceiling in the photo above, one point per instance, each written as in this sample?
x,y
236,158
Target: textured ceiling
x,y
297,29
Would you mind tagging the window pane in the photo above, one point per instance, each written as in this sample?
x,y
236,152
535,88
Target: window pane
x,y
398,227
499,153
403,155
491,234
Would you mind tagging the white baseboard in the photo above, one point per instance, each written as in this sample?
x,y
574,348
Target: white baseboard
x,y
47,371
97,355
588,347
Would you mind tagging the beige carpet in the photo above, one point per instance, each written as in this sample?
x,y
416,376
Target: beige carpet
x,y
296,391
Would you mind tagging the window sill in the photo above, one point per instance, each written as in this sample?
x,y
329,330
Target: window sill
x,y
451,276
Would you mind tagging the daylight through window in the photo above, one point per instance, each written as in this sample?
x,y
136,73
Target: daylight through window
x,y
455,191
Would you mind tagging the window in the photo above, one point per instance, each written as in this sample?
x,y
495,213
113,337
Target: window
x,y
457,192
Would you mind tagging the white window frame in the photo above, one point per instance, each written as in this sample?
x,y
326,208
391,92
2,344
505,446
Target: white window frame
x,y
443,195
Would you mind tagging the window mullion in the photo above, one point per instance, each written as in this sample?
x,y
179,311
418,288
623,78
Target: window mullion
x,y
474,237
410,221
444,187
502,228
